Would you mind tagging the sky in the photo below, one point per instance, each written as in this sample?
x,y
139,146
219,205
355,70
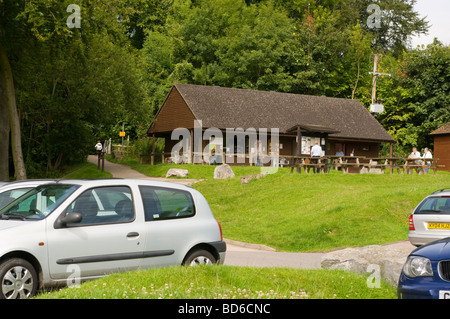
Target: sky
x,y
438,15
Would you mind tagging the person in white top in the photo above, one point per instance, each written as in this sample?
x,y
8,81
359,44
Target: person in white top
x,y
427,154
98,147
316,151
415,154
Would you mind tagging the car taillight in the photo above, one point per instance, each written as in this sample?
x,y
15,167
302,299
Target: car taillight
x,y
220,228
411,222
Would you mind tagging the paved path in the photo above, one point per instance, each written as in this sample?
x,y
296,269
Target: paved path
x,y
123,171
238,253
242,254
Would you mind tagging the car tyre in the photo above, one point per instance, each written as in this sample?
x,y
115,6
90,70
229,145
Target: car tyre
x,y
19,279
200,257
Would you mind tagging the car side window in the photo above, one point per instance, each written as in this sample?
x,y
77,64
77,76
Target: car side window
x,y
165,203
104,205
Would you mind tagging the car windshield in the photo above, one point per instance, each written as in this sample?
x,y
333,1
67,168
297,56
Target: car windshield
x,y
38,203
433,205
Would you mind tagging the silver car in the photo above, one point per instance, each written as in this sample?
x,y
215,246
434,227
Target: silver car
x,y
69,231
430,220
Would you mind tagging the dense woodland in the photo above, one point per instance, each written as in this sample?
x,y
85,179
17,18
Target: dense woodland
x,y
63,85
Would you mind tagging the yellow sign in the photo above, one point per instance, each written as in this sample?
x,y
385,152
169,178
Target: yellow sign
x,y
122,133
438,225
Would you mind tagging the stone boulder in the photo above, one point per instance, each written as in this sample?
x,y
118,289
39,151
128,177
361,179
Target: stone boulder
x,y
223,171
248,178
117,155
177,172
385,259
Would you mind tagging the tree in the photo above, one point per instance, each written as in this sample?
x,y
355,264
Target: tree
x,y
417,95
399,20
428,90
69,81
4,136
222,42
9,98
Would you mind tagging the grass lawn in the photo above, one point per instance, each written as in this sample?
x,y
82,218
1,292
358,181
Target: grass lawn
x,y
318,212
195,171
86,171
227,282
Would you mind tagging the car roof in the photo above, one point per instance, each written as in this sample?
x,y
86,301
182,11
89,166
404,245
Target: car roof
x,y
122,181
442,191
24,183
93,183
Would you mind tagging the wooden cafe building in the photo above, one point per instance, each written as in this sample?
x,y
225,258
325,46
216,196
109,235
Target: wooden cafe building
x,y
337,124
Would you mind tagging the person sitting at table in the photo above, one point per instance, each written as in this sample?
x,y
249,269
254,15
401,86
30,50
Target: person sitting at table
x,y
316,151
339,152
415,154
427,154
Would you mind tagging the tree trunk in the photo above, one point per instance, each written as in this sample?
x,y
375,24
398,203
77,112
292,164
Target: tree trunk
x,y
4,137
10,97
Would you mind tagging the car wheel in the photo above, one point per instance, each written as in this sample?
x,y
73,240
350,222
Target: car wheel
x,y
200,257
19,279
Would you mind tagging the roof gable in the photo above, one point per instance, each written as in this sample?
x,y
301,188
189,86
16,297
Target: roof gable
x,y
174,113
445,129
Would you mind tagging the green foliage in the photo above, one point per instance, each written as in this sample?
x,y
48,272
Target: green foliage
x,y
417,96
73,85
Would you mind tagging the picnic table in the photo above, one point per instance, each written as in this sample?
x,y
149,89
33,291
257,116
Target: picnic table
x,y
395,163
325,163
419,165
345,163
299,162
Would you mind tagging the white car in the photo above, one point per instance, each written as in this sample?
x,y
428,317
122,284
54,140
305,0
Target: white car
x,y
68,231
9,191
430,220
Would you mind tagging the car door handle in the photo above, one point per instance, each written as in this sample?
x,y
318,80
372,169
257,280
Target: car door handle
x,y
132,234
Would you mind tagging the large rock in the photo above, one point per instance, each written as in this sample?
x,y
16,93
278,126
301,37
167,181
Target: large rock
x,y
177,172
385,259
223,171
117,155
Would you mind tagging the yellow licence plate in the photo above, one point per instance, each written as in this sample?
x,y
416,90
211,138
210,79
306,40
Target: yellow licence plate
x,y
438,225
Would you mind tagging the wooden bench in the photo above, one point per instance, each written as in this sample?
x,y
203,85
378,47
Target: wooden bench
x,y
376,163
305,163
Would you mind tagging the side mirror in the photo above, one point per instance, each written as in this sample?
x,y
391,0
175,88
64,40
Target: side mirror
x,y
72,218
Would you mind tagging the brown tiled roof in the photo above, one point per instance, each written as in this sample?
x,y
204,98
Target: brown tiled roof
x,y
445,129
232,108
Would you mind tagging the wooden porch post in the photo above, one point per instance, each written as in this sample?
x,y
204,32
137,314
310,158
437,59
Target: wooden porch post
x,y
152,156
191,148
299,141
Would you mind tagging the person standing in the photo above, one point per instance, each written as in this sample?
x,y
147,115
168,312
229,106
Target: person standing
x,y
98,147
316,151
